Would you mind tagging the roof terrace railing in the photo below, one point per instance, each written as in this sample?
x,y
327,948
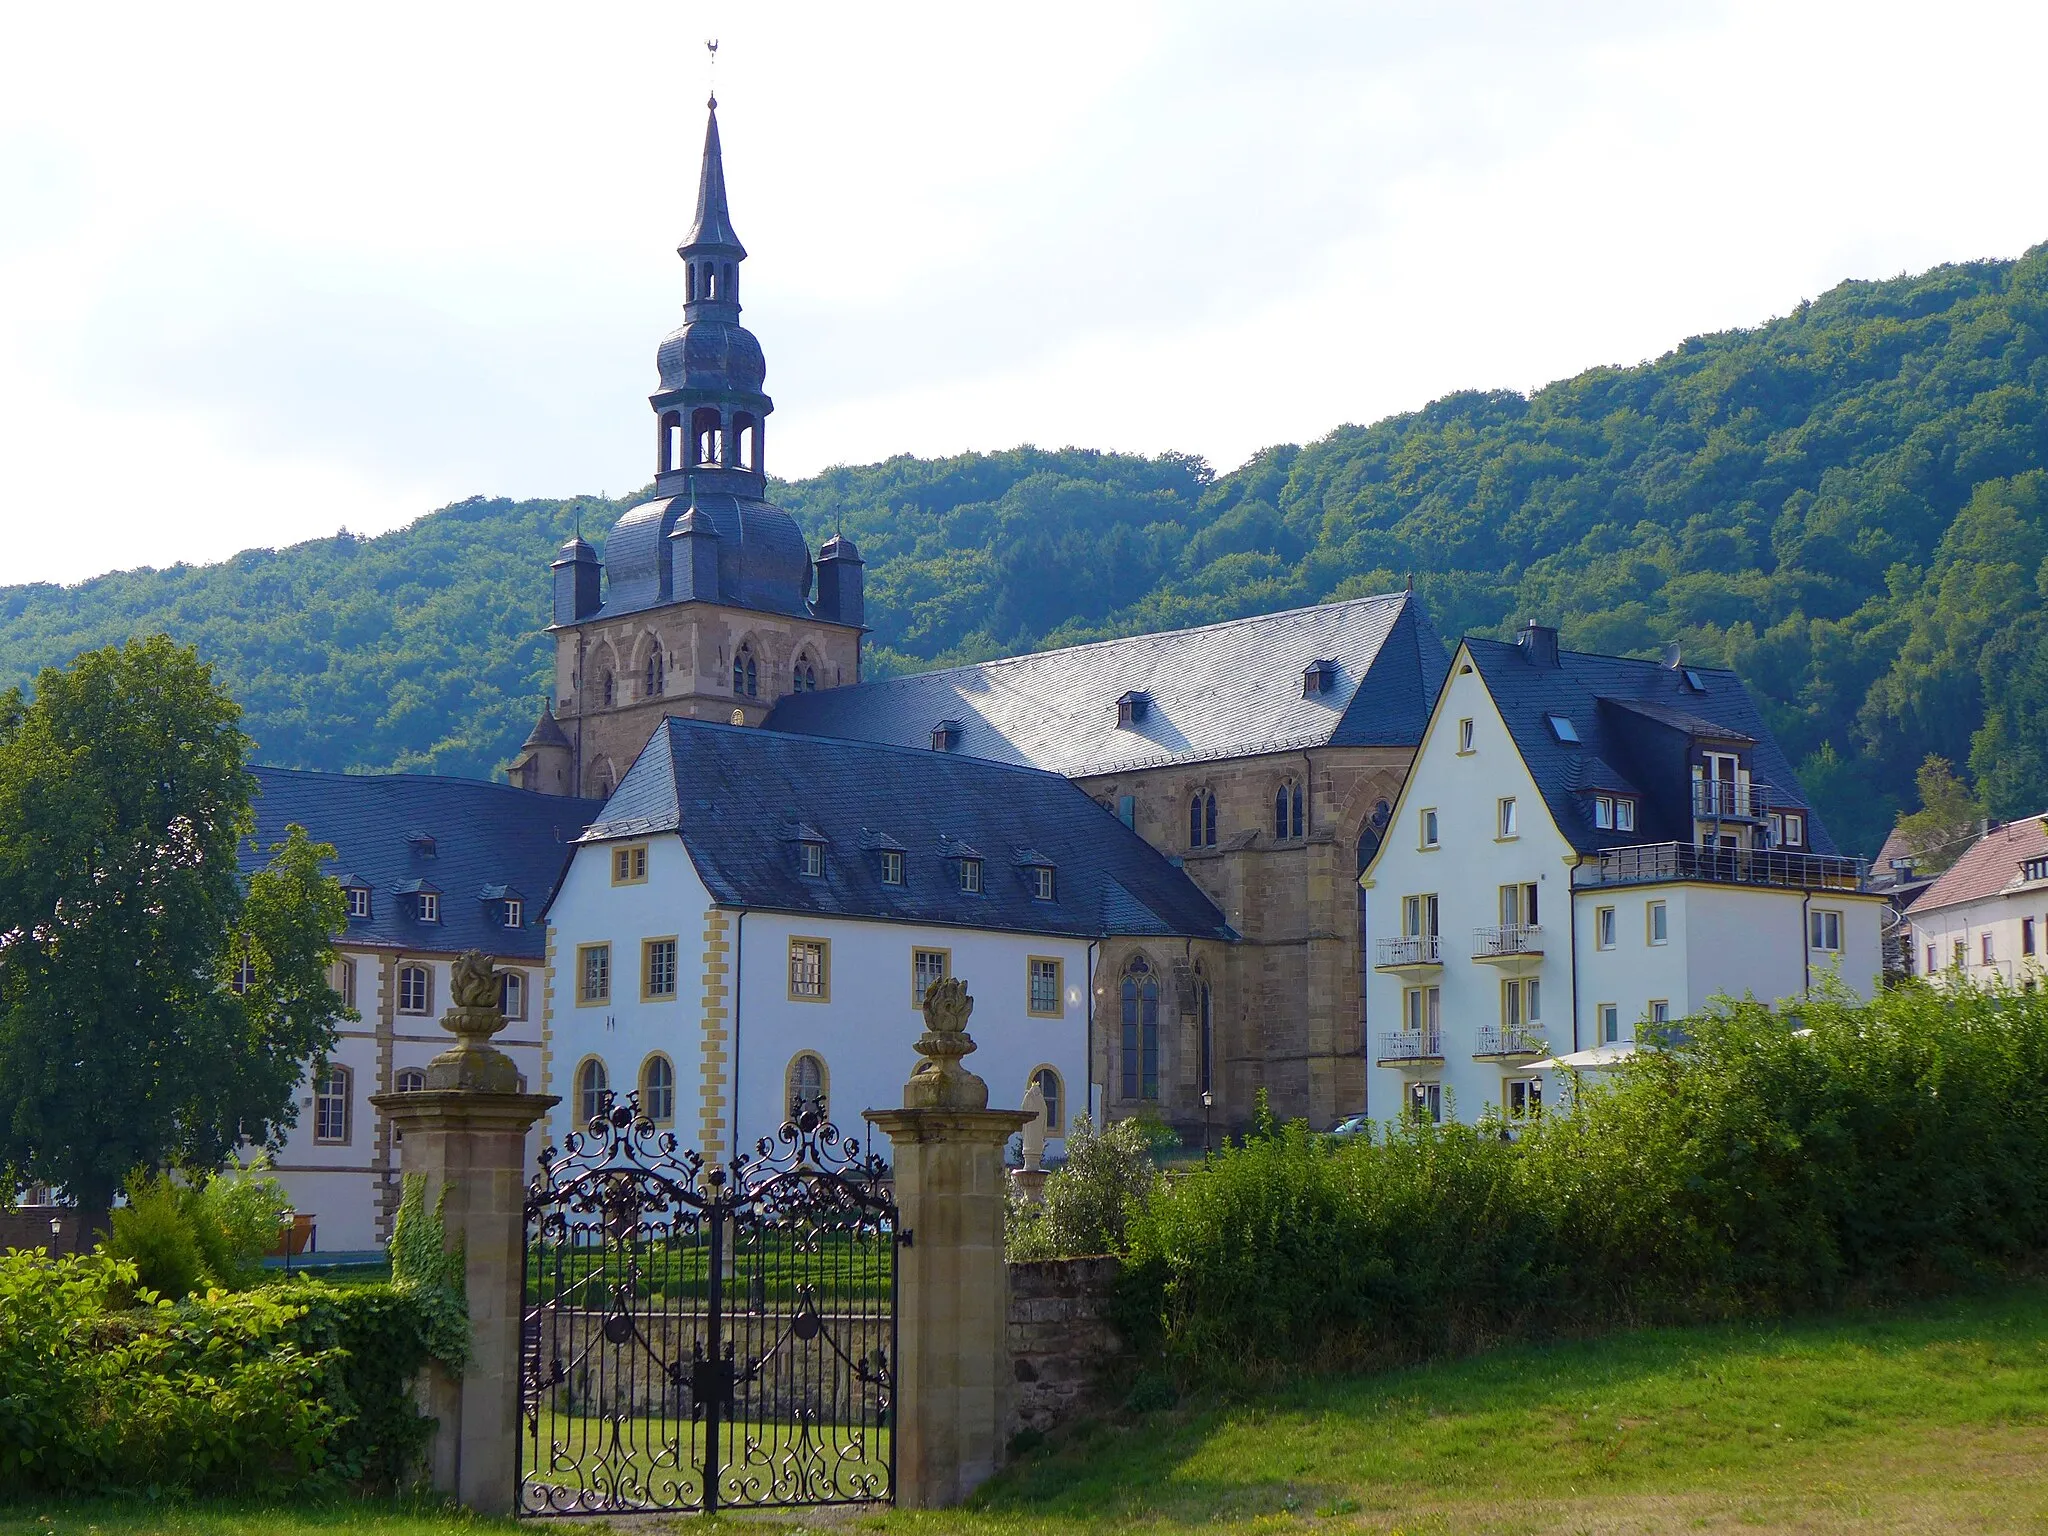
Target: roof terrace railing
x,y
1773,867
1726,797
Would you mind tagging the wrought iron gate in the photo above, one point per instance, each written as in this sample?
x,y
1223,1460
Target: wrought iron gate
x,y
698,1337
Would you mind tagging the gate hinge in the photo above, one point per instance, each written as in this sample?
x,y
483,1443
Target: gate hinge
x,y
906,1238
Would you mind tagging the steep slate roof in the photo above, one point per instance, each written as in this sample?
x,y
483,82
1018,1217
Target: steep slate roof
x,y
1220,691
695,777
1990,865
486,837
1614,702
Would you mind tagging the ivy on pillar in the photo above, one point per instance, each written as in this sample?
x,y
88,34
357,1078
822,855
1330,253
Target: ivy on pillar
x,y
952,1368
465,1133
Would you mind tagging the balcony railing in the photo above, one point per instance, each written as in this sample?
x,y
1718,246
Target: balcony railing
x,y
1398,1045
1410,949
1509,1040
1729,800
1723,866
1507,940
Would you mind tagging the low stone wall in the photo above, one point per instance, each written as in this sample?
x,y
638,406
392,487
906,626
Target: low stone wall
x,y
1060,1337
28,1226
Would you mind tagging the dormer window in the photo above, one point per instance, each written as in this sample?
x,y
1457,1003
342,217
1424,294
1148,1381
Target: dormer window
x,y
810,858
1624,814
1132,708
892,866
1562,728
1041,882
358,897
512,912
1318,677
946,736
1603,811
970,876
2033,869
1795,830
427,906
422,844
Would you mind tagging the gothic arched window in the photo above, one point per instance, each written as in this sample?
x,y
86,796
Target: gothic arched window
x,y
611,689
1205,1013
1287,809
746,674
1202,819
1140,997
803,676
656,673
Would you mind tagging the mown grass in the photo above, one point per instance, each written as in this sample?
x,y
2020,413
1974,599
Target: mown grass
x,y
1930,1419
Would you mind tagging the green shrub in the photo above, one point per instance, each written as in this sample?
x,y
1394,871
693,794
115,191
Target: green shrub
x,y
183,1237
238,1216
1767,1164
1087,1199
154,1232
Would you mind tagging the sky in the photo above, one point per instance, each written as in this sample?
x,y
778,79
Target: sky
x,y
270,271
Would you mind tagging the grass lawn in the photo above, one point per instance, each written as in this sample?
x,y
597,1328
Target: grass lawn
x,y
1932,1419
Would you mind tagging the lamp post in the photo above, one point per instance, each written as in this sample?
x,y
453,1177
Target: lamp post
x,y
1208,1103
287,1220
57,1236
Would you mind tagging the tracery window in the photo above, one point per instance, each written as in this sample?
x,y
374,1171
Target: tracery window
x,y
1202,819
803,677
1140,998
746,672
655,675
1287,820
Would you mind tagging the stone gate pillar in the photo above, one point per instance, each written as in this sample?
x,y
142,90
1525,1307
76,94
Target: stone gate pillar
x,y
466,1132
952,1366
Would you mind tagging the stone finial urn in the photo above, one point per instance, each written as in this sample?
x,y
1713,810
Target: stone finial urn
x,y
940,1081
475,1015
1034,1128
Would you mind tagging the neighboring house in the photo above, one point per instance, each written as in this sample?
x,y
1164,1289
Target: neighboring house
x,y
1585,846
1893,876
430,867
1983,919
752,922
1264,754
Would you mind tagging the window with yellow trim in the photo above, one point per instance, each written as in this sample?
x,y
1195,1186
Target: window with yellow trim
x,y
810,970
1047,982
629,864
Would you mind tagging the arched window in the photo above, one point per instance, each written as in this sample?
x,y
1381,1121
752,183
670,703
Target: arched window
x,y
512,994
1287,809
669,452
1202,819
593,1089
1369,838
410,1080
746,441
331,1101
1141,1030
658,1089
1054,1092
415,989
746,675
707,432
806,1086
1206,1015
803,675
655,674
611,689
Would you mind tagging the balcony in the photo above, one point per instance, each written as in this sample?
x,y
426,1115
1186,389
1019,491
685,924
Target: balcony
x,y
1412,952
1773,868
1729,800
1405,1047
1510,941
1505,1042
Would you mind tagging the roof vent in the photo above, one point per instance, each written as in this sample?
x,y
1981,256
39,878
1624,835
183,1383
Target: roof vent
x,y
1132,708
422,843
946,736
1318,677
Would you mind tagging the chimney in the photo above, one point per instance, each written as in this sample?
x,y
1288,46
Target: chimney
x,y
1539,644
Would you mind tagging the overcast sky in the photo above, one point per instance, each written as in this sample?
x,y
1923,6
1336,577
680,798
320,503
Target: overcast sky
x,y
269,271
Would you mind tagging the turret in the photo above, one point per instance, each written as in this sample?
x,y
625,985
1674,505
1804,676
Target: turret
x,y
840,596
578,582
693,556
546,760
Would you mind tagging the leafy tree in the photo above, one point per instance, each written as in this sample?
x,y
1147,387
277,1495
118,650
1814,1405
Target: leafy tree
x,y
1947,821
152,1009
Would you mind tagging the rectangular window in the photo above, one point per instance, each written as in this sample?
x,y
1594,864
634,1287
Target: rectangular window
x,y
1986,941
810,859
344,981
657,970
358,901
1603,810
593,974
2026,935
1522,1097
1422,1010
1603,928
1464,737
810,970
331,1106
429,907
1795,830
1429,828
629,864
415,989
515,913
512,994
1048,988
1610,1024
1426,1102
970,876
1657,923
1624,815
1041,882
1961,951
1518,905
1507,819
1419,917
1660,1011
892,866
927,966
1827,931
1776,826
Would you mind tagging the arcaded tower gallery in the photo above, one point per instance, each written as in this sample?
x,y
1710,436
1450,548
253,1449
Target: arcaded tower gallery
x,y
705,605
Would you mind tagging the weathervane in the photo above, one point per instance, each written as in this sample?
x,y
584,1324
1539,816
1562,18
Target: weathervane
x,y
711,71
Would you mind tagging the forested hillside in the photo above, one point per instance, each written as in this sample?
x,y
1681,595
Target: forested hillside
x,y
1848,505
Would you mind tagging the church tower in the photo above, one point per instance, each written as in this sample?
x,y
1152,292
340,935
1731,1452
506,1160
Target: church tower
x,y
703,604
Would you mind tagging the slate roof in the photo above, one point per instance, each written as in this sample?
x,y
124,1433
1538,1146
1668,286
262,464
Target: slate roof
x,y
1220,691
1988,866
1615,702
486,837
695,778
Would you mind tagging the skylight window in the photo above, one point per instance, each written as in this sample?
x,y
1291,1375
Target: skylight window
x,y
1562,728
1692,681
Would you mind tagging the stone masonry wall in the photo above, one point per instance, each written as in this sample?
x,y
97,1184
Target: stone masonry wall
x,y
1060,1338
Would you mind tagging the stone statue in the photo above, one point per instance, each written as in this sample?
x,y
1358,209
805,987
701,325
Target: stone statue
x,y
473,1062
1034,1128
940,1082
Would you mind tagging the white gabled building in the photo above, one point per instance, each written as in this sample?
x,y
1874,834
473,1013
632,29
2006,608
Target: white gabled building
x,y
1588,845
753,919
1985,919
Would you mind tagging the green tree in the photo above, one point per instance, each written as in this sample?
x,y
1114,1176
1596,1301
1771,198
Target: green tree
x,y
154,1009
1947,821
